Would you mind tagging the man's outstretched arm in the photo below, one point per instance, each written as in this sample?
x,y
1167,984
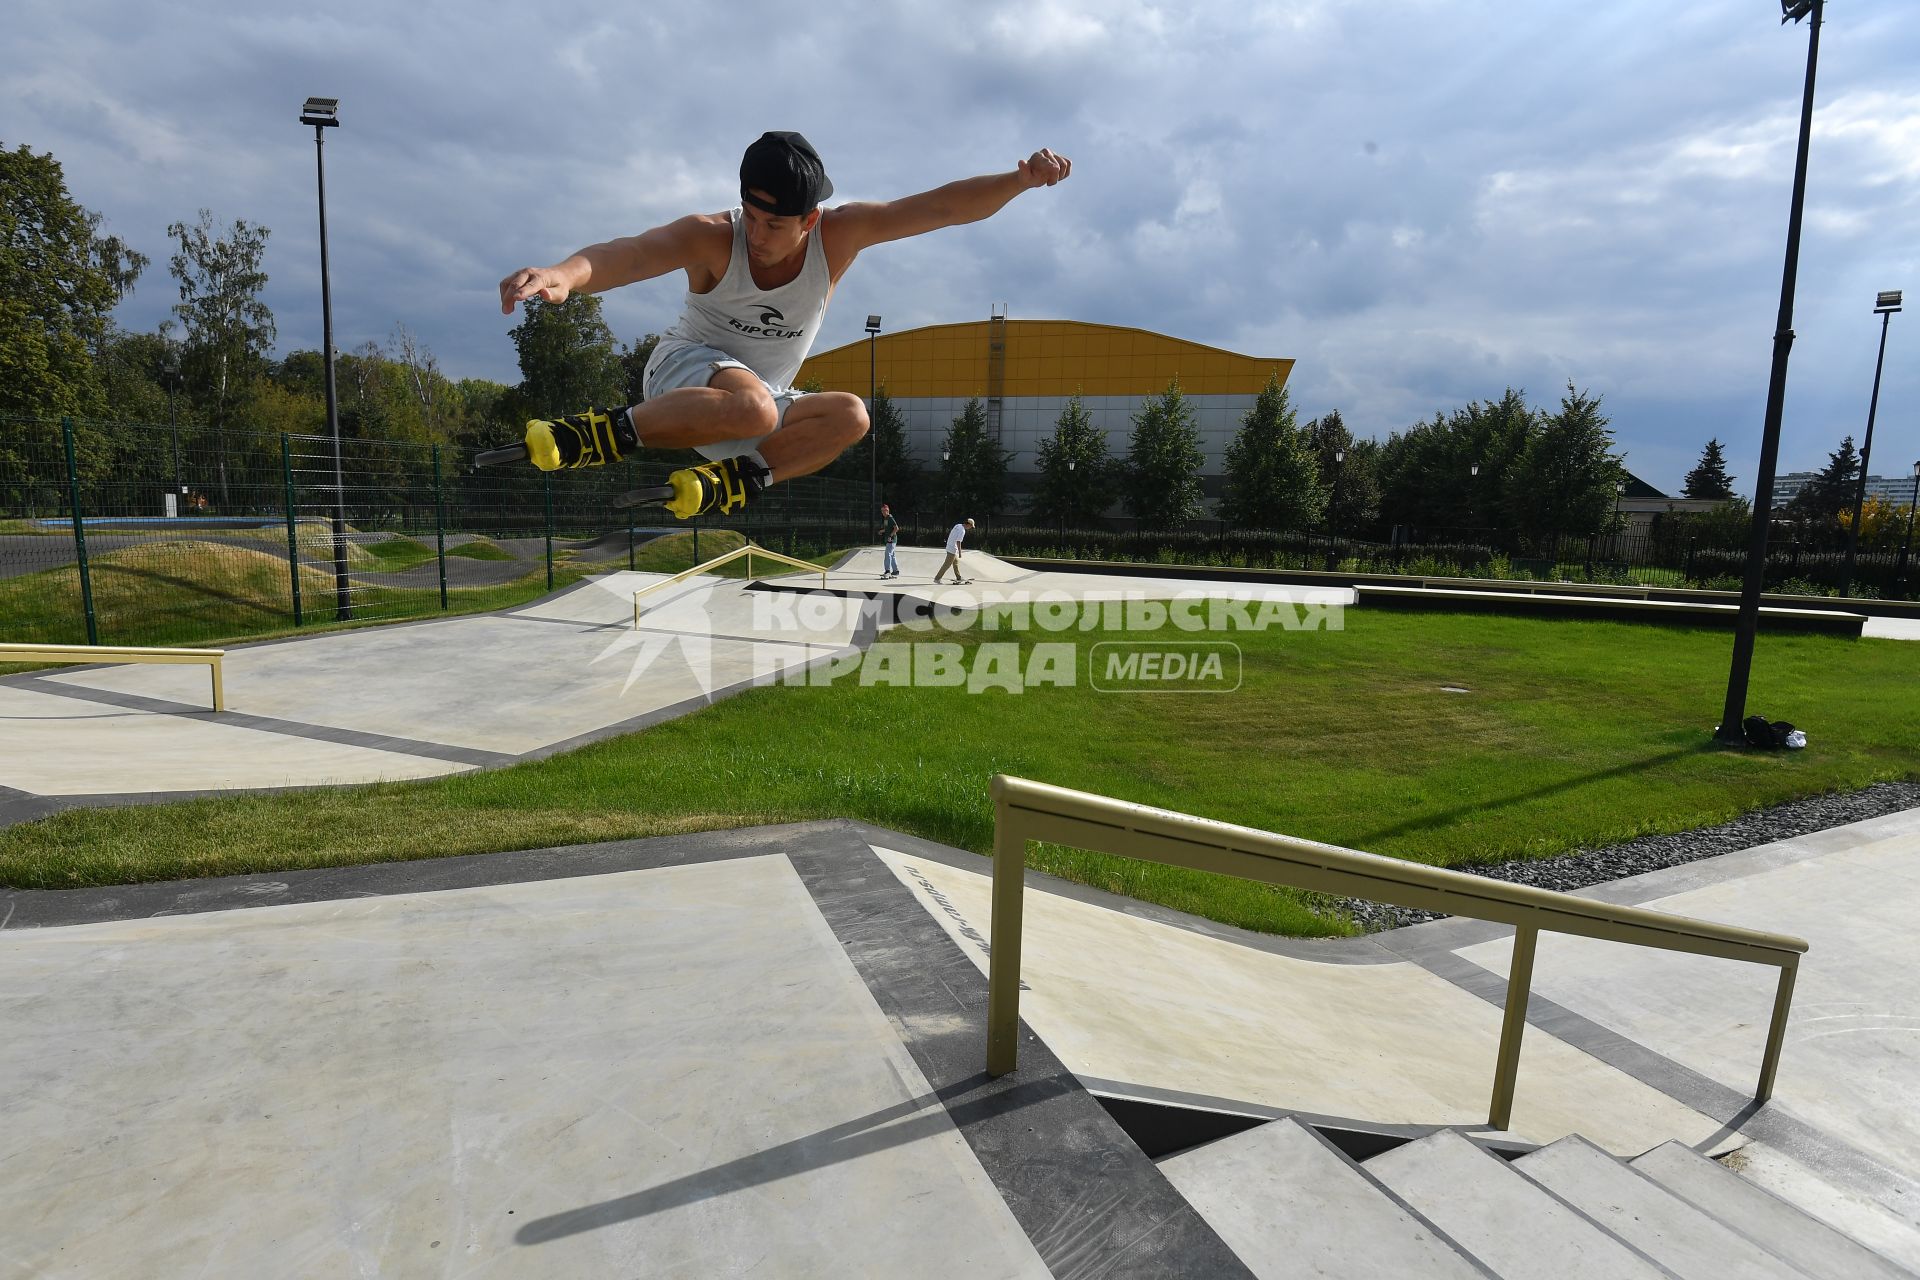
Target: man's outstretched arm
x,y
856,226
680,245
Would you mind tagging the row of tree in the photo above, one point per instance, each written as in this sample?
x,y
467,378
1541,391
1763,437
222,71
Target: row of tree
x,y
1536,471
208,369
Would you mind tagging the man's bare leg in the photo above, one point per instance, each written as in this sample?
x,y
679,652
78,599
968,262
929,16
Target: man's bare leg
x,y
735,405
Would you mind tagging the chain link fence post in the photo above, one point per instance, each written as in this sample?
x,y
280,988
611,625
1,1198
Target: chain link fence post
x,y
548,488
440,525
79,532
293,534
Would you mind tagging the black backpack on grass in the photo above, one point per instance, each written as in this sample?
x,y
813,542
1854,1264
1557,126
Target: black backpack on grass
x,y
1765,734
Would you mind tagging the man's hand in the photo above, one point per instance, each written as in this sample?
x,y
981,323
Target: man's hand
x,y
1044,168
529,281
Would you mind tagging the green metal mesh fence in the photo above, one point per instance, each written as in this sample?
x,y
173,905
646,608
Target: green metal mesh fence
x,y
190,534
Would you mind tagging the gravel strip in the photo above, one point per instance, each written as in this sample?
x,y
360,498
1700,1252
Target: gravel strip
x,y
1584,867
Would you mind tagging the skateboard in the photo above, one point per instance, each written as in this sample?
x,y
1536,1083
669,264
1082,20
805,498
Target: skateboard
x,y
646,495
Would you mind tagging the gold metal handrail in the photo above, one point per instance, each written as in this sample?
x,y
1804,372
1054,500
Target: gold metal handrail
x,y
119,654
1025,810
748,551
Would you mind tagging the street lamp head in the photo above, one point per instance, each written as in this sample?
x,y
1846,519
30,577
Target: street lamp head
x,y
1887,303
1339,456
1619,486
322,112
873,324
1070,464
1474,469
1794,10
946,455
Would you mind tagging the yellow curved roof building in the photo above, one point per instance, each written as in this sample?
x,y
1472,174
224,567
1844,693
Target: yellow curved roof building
x,y
1040,358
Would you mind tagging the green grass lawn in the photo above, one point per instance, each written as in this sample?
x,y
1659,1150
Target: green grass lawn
x,y
1572,734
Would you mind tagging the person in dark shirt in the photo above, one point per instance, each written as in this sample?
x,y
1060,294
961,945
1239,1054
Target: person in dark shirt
x,y
889,535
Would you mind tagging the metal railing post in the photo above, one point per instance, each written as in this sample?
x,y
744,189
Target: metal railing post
x,y
1519,987
440,525
548,487
1003,960
1777,1031
79,533
293,536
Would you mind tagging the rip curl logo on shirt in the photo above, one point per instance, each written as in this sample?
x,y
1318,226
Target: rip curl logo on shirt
x,y
772,325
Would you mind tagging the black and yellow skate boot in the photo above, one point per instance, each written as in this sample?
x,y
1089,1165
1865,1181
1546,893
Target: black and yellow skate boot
x,y
590,439
724,486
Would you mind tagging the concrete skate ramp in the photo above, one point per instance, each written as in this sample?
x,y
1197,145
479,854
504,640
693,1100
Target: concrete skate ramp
x,y
705,1056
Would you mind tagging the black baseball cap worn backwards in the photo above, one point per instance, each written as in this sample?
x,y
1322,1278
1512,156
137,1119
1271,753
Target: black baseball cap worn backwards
x,y
786,167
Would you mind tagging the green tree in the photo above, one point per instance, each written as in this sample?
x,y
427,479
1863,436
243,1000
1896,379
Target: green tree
x,y
1273,480
1161,480
1348,473
1821,500
1709,478
633,367
228,329
1725,528
59,282
1427,474
431,395
896,474
567,357
1076,471
1564,482
973,476
900,478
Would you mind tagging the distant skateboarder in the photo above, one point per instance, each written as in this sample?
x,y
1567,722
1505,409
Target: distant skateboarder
x,y
758,281
889,537
955,536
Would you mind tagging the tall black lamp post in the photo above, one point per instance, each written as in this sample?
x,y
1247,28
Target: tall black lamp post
x,y
1906,548
1735,709
1884,306
873,427
323,114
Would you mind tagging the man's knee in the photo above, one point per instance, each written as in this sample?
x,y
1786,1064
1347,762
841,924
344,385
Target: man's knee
x,y
755,410
848,413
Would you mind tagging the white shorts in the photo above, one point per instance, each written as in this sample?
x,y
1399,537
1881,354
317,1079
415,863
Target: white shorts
x,y
676,363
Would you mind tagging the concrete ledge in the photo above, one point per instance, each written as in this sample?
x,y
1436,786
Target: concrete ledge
x,y
1909,609
1610,608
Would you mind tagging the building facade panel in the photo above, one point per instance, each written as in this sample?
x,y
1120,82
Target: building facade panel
x,y
930,373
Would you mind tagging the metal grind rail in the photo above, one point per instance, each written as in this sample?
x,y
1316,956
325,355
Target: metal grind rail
x,y
1026,810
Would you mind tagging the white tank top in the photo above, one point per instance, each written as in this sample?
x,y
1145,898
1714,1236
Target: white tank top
x,y
768,330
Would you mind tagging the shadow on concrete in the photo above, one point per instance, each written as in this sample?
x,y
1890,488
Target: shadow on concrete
x,y
894,1126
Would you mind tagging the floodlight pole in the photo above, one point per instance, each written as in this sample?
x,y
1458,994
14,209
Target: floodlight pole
x,y
1906,548
322,120
1735,709
1891,304
873,427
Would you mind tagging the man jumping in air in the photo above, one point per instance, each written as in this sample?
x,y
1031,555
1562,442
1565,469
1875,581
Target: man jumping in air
x,y
758,281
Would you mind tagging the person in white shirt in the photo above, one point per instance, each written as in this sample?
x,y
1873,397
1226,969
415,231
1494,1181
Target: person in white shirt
x,y
955,536
758,280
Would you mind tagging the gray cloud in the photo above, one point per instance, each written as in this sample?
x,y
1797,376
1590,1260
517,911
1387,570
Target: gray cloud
x,y
1420,202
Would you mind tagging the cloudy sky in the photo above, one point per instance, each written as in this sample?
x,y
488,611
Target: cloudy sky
x,y
1422,202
